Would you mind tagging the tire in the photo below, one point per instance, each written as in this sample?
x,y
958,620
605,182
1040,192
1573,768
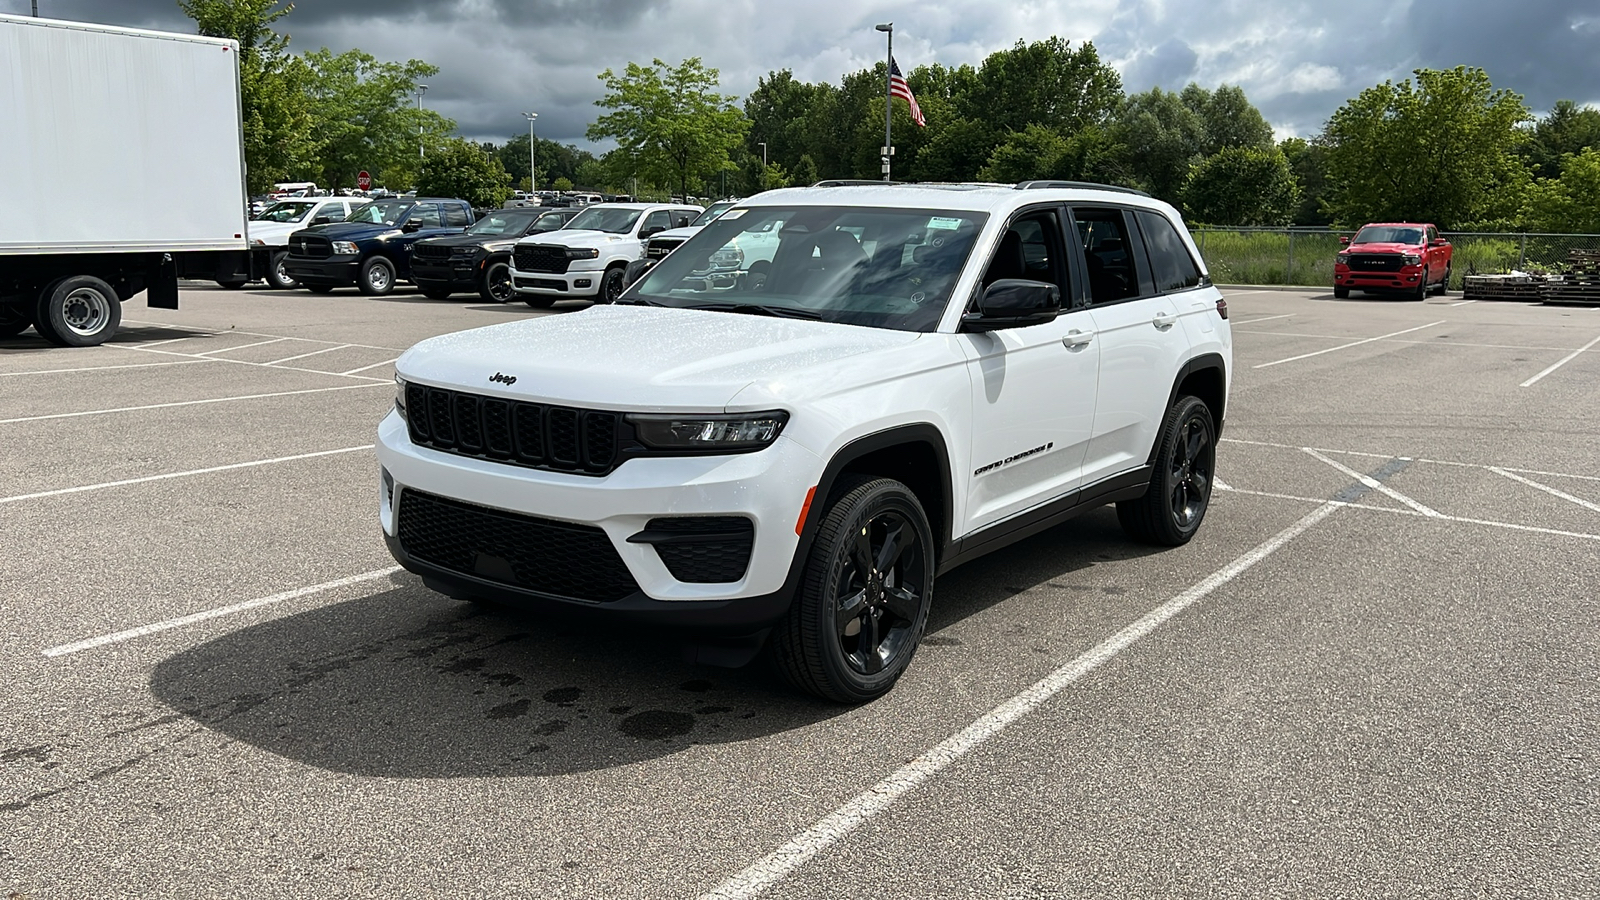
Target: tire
x,y
495,285
81,311
755,278
1422,287
276,275
436,293
612,284
855,622
376,278
1341,293
318,288
1171,511
1444,286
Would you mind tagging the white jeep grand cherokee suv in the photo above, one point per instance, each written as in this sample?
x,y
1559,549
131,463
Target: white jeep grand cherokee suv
x,y
924,374
588,259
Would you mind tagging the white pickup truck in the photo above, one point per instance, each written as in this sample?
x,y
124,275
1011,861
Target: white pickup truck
x,y
269,232
588,259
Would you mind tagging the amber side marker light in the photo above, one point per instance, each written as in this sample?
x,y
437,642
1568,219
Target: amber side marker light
x,y
805,509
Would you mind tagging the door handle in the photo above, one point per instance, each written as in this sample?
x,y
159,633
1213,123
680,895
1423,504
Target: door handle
x,y
1164,320
1075,339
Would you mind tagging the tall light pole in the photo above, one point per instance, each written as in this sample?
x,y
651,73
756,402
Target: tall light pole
x,y
888,98
36,9
421,89
533,165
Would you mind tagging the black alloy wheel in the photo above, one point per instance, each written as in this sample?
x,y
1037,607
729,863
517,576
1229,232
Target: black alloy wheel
x,y
496,286
863,604
612,286
1171,510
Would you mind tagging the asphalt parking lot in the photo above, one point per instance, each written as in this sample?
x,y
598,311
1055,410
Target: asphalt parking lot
x,y
1373,674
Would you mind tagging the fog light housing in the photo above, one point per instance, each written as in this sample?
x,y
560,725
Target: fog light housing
x,y
582,282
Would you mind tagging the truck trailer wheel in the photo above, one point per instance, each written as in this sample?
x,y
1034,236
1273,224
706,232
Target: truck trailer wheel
x,y
81,311
14,320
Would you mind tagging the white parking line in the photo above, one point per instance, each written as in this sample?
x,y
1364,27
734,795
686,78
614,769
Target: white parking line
x,y
1415,459
1269,319
263,334
1463,303
1377,485
169,475
373,366
243,346
120,409
1349,345
245,362
1564,360
834,827
1458,520
1546,488
176,362
304,355
220,611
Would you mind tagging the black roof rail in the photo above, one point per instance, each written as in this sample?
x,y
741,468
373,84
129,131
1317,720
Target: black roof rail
x,y
1085,185
854,182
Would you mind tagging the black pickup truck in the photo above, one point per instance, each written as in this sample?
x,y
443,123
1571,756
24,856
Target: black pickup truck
x,y
480,260
372,248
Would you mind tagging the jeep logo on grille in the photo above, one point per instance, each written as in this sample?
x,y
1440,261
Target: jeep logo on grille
x,y
506,380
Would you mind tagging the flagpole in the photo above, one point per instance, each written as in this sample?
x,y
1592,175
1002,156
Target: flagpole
x,y
888,106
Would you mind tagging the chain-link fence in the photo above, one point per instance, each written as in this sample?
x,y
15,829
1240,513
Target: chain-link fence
x,y
1305,255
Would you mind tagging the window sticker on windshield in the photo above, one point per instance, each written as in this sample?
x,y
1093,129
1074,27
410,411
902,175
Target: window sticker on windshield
x,y
943,222
734,213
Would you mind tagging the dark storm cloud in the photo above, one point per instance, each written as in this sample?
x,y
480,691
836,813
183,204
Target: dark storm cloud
x,y
1297,60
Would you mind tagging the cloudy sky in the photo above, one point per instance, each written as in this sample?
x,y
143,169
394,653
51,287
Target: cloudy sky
x,y
1297,60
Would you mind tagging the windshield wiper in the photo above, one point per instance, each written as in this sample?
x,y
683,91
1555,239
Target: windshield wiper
x,y
637,301
756,309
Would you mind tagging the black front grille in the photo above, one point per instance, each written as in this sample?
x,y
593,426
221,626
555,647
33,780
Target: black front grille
x,y
1375,262
702,549
659,247
540,258
311,246
426,250
554,438
560,559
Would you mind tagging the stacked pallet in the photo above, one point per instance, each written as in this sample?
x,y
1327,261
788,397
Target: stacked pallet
x,y
1581,285
1503,287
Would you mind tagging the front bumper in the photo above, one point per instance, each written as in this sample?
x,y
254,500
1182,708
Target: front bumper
x,y
459,274
1404,279
571,283
768,487
335,270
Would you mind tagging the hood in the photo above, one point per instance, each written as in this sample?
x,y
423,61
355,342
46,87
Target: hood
x,y
681,234
1382,248
566,238
641,358
352,231
272,232
487,241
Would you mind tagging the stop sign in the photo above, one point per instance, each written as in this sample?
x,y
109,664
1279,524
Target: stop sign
x,y
363,180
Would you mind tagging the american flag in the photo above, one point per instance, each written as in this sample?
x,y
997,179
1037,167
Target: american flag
x,y
899,88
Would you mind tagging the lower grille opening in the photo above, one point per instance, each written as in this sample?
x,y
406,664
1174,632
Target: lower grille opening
x,y
560,559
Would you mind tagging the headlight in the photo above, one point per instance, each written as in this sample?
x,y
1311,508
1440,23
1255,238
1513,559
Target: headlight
x,y
400,396
582,253
345,248
1412,259
727,258
1342,259
725,433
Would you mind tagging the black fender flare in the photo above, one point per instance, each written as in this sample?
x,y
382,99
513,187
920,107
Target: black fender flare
x,y
1198,364
915,433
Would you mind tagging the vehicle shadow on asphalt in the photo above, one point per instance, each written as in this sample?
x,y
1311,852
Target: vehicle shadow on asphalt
x,y
30,341
408,683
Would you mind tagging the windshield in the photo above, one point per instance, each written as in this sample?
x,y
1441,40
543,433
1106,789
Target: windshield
x,y
551,221
384,212
1388,234
612,219
882,268
501,223
285,212
711,213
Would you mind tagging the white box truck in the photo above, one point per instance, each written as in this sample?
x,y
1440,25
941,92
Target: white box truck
x,y
121,169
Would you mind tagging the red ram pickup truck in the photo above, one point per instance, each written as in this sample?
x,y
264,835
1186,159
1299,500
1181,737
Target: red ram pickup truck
x,y
1393,256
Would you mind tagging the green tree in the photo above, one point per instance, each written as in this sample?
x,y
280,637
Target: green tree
x,y
1440,150
276,113
364,118
562,184
1043,83
1569,204
1308,162
1568,128
1242,186
460,168
669,122
555,160
1033,152
1164,136
1227,119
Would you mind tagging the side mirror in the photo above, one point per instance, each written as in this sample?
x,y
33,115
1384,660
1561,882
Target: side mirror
x,y
635,271
1440,242
1014,303
649,232
1344,239
322,220
411,227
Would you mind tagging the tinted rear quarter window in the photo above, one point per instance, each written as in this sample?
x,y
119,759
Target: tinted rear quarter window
x,y
1174,268
456,215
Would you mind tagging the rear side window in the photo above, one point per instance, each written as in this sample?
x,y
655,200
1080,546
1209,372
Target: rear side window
x,y
456,215
1173,267
425,215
